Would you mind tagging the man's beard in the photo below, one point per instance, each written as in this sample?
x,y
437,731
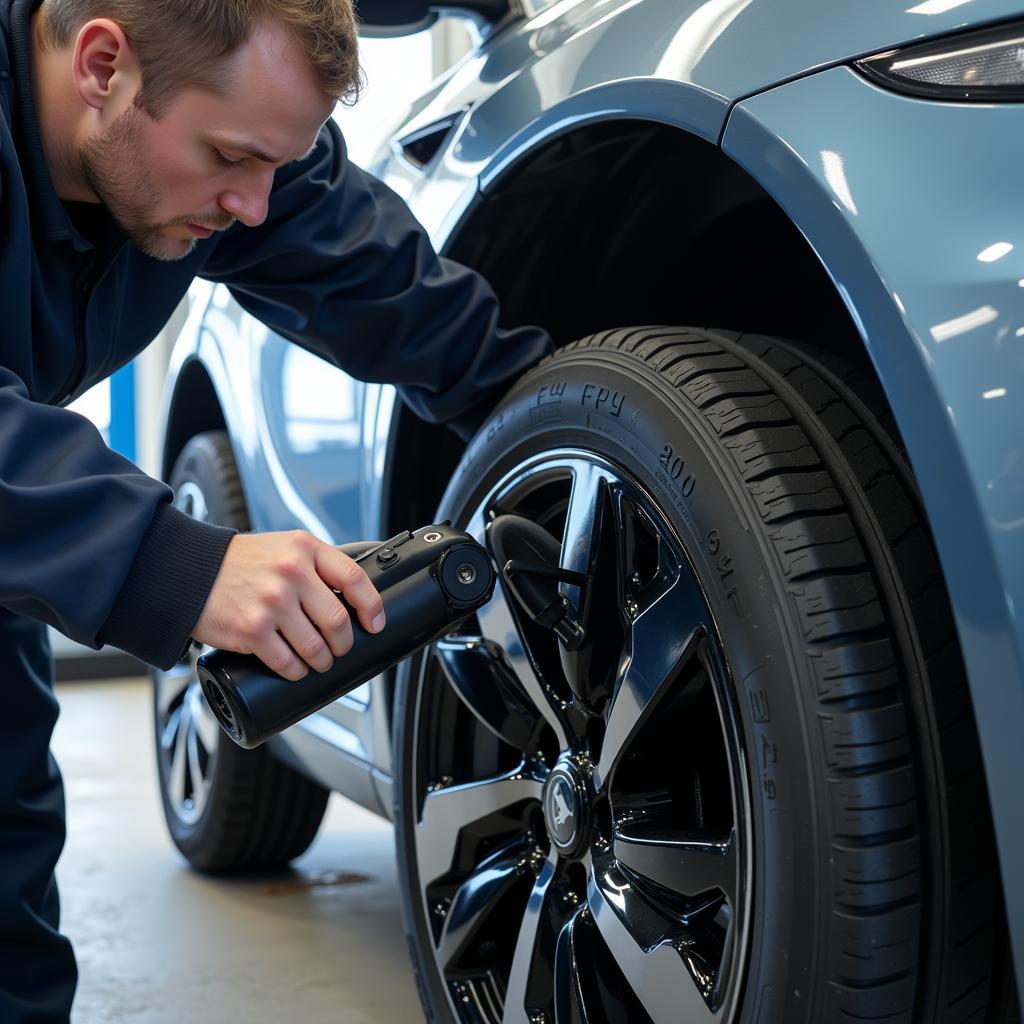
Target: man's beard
x,y
114,168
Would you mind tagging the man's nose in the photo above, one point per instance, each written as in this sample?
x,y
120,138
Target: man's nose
x,y
248,202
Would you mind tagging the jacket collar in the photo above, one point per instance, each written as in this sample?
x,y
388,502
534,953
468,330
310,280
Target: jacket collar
x,y
48,212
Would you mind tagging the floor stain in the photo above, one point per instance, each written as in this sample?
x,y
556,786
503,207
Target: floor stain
x,y
314,881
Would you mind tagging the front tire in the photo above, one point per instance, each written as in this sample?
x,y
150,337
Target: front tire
x,y
766,730
227,809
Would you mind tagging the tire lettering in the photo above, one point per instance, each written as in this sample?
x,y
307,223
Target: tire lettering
x,y
769,757
549,394
766,757
723,564
675,465
540,414
759,706
547,407
600,396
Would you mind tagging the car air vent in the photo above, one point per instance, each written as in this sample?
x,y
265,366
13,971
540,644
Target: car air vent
x,y
422,145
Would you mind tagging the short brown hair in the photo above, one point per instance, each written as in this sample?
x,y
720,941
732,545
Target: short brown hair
x,y
183,43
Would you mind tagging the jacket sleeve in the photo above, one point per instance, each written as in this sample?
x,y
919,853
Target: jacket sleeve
x,y
342,267
89,543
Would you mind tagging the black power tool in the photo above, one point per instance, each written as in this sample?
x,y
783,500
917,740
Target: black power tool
x,y
429,581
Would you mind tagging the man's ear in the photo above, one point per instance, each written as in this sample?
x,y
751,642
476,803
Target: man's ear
x,y
105,68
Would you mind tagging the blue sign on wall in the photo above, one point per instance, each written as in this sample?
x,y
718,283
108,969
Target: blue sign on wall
x,y
122,411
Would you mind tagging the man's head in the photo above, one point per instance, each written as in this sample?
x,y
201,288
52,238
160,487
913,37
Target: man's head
x,y
176,113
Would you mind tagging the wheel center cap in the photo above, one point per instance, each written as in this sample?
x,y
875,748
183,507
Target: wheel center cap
x,y
567,807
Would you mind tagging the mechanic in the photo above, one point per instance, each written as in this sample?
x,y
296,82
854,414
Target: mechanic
x,y
143,143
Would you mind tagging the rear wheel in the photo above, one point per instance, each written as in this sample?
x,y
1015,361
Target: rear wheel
x,y
227,809
749,789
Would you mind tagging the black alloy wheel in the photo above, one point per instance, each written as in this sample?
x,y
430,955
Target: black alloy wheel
x,y
700,796
587,838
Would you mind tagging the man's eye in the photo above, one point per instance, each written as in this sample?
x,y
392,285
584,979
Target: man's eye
x,y
224,161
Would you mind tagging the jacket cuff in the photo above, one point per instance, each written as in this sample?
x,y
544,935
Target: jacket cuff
x,y
466,424
166,589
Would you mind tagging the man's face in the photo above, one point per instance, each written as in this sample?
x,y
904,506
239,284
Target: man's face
x,y
210,159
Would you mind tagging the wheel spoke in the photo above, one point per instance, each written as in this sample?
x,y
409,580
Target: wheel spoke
x,y
476,527
498,624
169,732
528,958
176,775
570,1002
580,544
171,684
594,527
654,970
691,866
483,679
473,905
628,525
447,811
195,769
205,724
663,637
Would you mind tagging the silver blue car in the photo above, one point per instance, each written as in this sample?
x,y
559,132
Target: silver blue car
x,y
770,770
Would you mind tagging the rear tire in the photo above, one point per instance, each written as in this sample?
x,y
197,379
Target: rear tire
x,y
872,880
227,809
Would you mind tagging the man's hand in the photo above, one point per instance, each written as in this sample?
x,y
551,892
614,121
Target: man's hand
x,y
274,597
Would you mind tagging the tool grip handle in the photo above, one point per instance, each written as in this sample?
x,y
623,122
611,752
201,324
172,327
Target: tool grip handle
x,y
253,703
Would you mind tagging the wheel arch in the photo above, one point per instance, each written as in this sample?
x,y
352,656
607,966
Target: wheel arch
x,y
194,407
531,232
616,220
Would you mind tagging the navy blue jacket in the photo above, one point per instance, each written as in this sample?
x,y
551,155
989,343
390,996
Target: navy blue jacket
x,y
90,544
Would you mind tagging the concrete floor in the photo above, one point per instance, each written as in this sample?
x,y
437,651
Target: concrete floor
x,y
159,943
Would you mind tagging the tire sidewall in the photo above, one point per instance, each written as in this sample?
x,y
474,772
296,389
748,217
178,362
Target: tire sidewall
x,y
612,404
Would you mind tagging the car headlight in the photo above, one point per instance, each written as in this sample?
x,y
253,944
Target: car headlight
x,y
986,66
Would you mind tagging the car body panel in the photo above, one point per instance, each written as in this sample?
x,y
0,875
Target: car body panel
x,y
766,80
941,313
681,63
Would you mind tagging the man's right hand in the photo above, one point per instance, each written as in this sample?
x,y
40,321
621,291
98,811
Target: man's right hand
x,y
274,597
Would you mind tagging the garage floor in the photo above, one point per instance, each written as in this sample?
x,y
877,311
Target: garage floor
x,y
159,943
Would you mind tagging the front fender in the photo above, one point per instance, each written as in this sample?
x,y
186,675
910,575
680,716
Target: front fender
x,y
678,61
913,208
